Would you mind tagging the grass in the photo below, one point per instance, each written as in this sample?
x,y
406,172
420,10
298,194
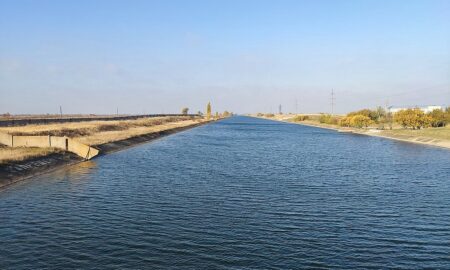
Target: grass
x,y
102,137
442,133
8,154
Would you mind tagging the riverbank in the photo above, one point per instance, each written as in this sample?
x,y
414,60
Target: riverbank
x,y
437,138
21,169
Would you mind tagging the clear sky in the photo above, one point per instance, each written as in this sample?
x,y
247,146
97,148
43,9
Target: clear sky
x,y
243,56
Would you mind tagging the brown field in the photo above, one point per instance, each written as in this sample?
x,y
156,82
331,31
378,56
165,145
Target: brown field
x,y
91,133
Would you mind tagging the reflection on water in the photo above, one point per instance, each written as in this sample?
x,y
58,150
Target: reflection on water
x,y
242,193
77,171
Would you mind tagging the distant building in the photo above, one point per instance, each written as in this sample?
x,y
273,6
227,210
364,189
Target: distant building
x,y
425,109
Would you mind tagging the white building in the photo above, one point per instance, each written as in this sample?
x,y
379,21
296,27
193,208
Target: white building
x,y
425,109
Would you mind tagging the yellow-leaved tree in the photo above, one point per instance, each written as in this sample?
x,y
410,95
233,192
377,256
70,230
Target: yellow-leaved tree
x,y
208,111
413,118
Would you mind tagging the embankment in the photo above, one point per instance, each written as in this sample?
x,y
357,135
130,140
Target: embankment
x,y
441,143
17,171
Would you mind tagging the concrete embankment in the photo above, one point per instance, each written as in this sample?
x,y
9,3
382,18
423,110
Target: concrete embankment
x,y
14,172
375,133
62,143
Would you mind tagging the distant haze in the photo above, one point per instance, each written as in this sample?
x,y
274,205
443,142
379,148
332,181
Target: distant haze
x,y
243,56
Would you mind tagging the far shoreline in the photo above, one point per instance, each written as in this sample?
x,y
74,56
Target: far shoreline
x,y
416,140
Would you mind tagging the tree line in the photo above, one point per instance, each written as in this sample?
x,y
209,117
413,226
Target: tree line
x,y
408,118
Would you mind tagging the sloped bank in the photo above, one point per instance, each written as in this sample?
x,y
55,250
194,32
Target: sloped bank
x,y
374,133
11,173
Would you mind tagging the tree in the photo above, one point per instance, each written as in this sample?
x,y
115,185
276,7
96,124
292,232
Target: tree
x,y
200,113
447,114
412,118
438,118
360,121
208,111
345,122
374,115
184,111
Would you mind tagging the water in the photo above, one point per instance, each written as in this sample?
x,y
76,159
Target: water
x,y
239,194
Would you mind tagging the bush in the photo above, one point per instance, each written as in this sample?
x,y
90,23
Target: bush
x,y
374,115
328,119
438,118
360,121
299,118
345,122
412,118
269,115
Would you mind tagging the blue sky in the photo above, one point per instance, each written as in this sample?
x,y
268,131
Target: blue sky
x,y
243,56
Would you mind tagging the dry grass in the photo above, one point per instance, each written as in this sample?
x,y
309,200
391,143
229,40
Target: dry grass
x,y
442,133
91,133
78,129
117,135
8,154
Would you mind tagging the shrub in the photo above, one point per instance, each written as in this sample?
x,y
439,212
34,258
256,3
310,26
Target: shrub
x,y
360,121
345,122
374,115
269,115
299,118
412,118
328,119
438,118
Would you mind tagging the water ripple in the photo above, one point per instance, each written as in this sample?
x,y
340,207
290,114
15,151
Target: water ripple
x,y
239,194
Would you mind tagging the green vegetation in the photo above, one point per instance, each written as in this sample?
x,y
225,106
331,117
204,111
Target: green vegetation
x,y
185,111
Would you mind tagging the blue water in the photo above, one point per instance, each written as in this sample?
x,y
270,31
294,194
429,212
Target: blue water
x,y
241,193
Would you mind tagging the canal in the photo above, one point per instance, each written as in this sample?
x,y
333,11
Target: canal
x,y
241,193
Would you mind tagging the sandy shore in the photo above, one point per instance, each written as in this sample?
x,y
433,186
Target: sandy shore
x,y
11,173
372,132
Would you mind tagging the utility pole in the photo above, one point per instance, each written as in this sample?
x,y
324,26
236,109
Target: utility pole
x,y
333,99
117,111
279,109
60,110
